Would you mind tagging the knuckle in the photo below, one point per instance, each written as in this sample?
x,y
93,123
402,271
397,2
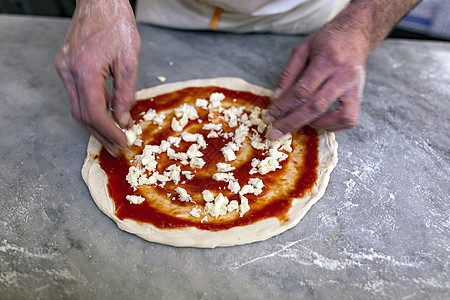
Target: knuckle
x,y
285,74
60,64
304,90
334,58
318,107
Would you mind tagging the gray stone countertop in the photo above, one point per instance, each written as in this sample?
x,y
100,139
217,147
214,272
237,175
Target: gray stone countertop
x,y
382,229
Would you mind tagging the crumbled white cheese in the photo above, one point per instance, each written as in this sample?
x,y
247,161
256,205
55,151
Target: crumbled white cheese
x,y
212,126
189,137
223,176
234,186
255,115
228,151
150,115
148,161
257,184
201,103
267,165
208,196
247,189
174,140
232,206
185,112
159,119
144,180
194,137
133,176
195,212
135,199
193,151
240,134
183,194
188,174
212,134
231,115
216,97
197,163
173,172
132,133
257,142
218,208
161,178
205,219
244,207
176,126
224,167
164,146
177,156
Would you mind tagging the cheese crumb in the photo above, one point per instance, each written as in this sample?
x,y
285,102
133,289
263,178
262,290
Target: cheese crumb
x,y
135,199
208,196
201,103
188,174
183,195
197,163
223,176
228,151
132,133
224,167
212,126
244,207
195,212
234,186
218,208
232,206
150,115
212,134
173,173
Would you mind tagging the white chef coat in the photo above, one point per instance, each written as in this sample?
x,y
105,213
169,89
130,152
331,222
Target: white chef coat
x,y
279,16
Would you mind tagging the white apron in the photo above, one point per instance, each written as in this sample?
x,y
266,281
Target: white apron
x,y
279,16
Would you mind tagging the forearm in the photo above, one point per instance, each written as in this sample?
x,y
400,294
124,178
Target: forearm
x,y
373,18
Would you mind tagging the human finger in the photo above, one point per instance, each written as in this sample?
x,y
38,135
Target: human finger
x,y
124,87
110,147
315,74
94,110
292,70
313,109
70,86
346,114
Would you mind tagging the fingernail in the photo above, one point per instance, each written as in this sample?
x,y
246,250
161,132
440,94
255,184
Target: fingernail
x,y
274,134
113,151
277,93
124,119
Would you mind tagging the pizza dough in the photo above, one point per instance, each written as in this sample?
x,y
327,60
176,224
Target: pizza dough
x,y
97,182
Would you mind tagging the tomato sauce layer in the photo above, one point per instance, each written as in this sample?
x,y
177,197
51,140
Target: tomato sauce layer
x,y
117,170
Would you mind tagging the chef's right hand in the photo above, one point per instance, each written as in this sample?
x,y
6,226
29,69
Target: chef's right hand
x,y
102,41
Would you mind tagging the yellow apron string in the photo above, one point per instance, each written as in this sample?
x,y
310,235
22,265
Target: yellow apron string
x,y
215,18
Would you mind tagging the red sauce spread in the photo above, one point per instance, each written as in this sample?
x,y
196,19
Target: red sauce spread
x,y
117,169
